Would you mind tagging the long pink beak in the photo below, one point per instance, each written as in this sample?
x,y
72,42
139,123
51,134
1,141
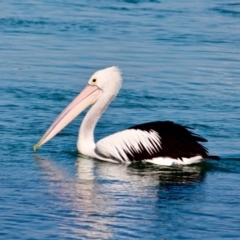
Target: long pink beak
x,y
87,97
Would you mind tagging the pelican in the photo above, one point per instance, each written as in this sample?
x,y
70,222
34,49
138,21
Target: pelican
x,y
160,142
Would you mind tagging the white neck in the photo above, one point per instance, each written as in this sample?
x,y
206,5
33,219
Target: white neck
x,y
86,144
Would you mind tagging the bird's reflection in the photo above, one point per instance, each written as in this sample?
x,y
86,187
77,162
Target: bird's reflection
x,y
77,195
100,189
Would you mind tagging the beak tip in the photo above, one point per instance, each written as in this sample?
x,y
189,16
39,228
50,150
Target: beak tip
x,y
36,147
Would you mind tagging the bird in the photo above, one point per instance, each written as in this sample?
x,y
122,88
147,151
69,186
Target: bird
x,y
160,142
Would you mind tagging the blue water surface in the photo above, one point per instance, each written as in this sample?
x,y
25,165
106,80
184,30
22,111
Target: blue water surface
x,y
180,61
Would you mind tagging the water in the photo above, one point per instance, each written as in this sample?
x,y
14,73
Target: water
x,y
180,62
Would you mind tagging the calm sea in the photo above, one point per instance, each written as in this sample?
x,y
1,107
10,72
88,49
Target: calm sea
x,y
180,61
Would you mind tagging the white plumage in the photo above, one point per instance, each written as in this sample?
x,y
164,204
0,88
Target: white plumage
x,y
167,161
128,141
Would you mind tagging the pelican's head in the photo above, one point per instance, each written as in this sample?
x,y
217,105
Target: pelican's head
x,y
103,82
108,80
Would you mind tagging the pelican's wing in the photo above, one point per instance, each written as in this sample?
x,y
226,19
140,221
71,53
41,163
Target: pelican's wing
x,y
152,140
129,145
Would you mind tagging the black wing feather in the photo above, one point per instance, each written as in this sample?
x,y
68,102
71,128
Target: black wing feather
x,y
177,141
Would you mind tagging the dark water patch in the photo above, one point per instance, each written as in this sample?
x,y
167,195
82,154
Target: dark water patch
x,y
233,4
201,126
114,8
57,95
172,176
9,106
31,26
191,38
139,1
226,12
227,164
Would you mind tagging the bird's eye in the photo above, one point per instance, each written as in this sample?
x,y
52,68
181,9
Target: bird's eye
x,y
94,80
